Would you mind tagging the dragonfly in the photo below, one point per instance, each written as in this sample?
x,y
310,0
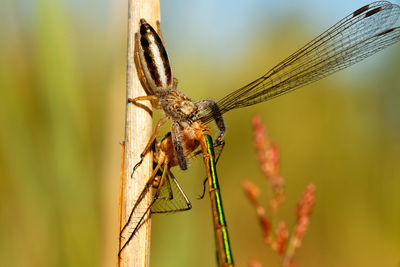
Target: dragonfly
x,y
359,35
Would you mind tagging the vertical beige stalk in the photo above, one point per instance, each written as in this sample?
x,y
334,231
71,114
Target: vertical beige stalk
x,y
138,129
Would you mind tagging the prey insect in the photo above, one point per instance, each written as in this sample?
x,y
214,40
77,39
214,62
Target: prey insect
x,y
168,196
359,35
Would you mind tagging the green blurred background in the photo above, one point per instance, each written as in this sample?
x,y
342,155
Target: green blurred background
x,y
62,80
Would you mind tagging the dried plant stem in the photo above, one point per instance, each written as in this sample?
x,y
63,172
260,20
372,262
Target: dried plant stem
x,y
138,129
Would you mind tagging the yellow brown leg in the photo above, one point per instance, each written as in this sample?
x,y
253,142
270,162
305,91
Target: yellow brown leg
x,y
141,196
148,185
175,83
161,183
142,98
160,123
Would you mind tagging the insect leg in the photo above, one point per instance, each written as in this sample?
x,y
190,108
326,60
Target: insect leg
x,y
158,30
174,83
171,198
204,189
168,186
148,185
204,106
172,177
222,144
141,98
160,123
161,183
138,225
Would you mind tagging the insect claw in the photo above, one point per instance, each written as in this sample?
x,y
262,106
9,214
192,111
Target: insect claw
x,y
218,143
201,196
137,165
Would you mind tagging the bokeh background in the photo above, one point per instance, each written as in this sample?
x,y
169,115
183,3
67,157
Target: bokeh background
x,y
62,86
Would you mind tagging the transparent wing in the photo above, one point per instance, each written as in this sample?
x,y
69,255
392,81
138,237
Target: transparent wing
x,y
171,198
359,35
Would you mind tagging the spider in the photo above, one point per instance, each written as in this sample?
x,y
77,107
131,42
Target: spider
x,y
156,75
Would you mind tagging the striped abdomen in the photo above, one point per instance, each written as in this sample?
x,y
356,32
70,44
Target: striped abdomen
x,y
154,59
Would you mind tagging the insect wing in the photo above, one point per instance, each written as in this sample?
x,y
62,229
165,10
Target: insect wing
x,y
171,198
356,37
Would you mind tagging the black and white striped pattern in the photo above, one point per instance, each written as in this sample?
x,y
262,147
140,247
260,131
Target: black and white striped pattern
x,y
154,59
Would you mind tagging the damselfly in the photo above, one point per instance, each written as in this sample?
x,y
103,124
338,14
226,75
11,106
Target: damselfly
x,y
359,35
169,197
